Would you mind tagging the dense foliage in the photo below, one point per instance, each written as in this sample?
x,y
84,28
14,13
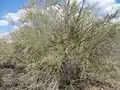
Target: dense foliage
x,y
66,46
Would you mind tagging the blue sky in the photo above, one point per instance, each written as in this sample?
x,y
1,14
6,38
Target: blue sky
x,y
11,9
9,6
118,1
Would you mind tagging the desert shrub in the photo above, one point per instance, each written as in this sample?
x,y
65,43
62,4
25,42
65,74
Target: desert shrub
x,y
6,49
66,45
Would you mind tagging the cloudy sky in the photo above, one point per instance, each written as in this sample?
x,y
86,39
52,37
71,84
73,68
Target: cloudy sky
x,y
11,9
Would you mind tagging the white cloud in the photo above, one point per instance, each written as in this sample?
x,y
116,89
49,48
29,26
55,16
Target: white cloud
x,y
99,2
102,6
15,17
3,23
